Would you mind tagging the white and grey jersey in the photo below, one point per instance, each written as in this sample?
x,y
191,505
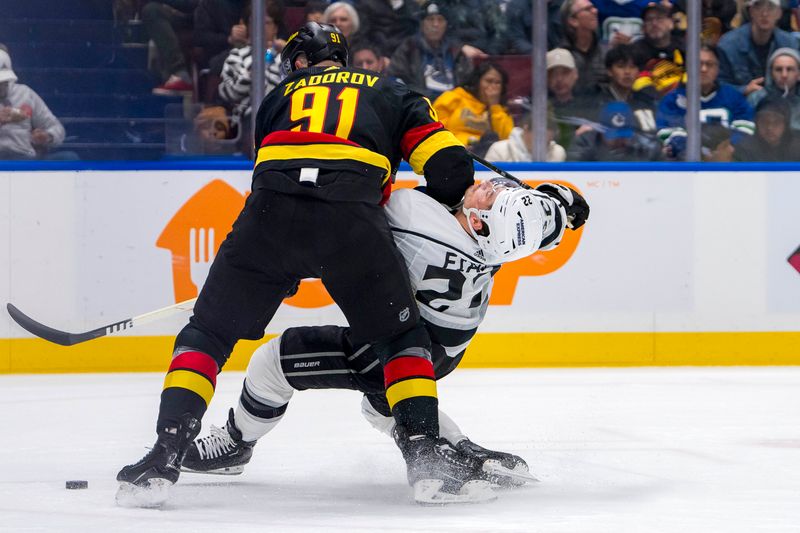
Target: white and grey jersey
x,y
451,281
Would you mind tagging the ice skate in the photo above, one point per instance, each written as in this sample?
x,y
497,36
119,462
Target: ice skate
x,y
222,452
440,474
147,482
503,469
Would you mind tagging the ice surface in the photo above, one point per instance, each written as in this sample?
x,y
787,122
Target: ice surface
x,y
617,450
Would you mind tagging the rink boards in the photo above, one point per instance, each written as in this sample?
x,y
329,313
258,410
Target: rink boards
x,y
674,268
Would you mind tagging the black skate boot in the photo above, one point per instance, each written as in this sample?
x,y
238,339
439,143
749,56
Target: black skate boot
x,y
439,473
146,483
501,468
222,452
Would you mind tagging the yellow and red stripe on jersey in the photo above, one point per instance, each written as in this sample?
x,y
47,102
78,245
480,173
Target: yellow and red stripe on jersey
x,y
408,377
194,371
314,149
420,143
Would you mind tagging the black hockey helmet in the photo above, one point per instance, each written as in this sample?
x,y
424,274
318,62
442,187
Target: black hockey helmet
x,y
318,42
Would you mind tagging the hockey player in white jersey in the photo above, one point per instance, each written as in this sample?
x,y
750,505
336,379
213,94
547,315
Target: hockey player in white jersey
x,y
452,259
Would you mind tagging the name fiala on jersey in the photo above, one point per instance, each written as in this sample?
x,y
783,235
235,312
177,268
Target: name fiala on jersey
x,y
457,262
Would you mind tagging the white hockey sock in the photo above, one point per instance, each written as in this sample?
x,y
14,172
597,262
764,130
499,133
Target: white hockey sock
x,y
265,393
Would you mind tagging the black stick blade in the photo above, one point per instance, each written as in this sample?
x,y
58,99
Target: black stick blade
x,y
47,333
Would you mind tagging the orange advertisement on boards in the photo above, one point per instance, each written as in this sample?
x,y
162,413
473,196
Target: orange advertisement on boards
x,y
193,236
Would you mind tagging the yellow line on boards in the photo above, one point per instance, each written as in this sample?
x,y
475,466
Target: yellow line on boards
x,y
488,350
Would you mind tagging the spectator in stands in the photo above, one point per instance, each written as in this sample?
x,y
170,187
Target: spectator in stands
x,y
774,139
431,62
470,21
788,19
569,109
366,55
219,27
519,145
313,10
620,20
388,22
719,102
579,20
716,144
659,53
344,16
518,22
622,74
722,12
616,140
783,73
745,50
475,112
234,89
162,19
28,129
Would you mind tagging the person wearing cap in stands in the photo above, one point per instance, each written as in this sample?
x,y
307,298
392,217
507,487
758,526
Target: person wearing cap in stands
x,y
744,51
615,139
659,53
28,129
569,108
432,61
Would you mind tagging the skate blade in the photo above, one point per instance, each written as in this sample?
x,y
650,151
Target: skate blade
x,y
429,492
227,471
519,475
148,497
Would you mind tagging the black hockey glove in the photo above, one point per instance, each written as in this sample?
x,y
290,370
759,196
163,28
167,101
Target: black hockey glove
x,y
574,204
491,459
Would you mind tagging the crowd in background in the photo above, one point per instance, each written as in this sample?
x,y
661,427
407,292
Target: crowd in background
x,y
615,69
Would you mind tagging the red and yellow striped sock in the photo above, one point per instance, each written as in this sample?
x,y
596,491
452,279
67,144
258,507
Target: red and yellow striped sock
x,y
188,387
411,393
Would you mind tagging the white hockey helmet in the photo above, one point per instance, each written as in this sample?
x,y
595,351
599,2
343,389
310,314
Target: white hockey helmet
x,y
512,226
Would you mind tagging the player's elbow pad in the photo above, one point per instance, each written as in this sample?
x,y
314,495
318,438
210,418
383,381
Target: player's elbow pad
x,y
448,173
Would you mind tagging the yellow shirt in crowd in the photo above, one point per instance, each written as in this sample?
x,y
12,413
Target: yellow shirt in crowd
x,y
467,117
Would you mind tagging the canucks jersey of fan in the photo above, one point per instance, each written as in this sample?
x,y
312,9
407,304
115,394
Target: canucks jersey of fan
x,y
725,105
451,280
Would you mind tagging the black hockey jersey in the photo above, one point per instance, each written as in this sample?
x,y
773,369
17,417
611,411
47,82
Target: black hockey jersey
x,y
359,123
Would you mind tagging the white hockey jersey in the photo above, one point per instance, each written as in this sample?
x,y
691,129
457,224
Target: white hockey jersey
x,y
451,280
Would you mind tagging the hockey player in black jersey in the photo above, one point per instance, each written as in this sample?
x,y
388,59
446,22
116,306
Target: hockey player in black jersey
x,y
328,139
499,222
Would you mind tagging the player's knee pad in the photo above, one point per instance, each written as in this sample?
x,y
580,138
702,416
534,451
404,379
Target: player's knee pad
x,y
193,338
414,342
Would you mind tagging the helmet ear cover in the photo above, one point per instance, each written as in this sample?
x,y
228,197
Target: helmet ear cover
x,y
318,42
512,226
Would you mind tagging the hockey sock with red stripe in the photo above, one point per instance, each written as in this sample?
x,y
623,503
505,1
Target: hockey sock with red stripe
x,y
188,388
411,393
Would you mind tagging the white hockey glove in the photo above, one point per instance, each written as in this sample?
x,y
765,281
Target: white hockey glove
x,y
573,203
504,469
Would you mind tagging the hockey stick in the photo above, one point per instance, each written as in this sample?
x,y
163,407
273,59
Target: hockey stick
x,y
499,171
504,174
65,338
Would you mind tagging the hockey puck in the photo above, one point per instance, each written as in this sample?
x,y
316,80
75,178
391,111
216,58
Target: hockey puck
x,y
77,484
